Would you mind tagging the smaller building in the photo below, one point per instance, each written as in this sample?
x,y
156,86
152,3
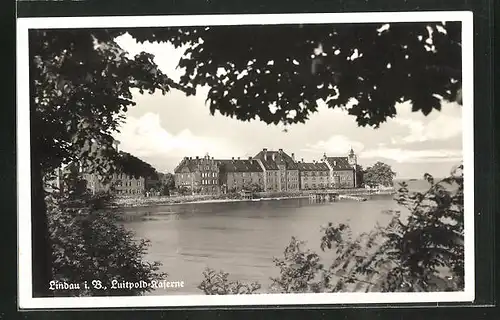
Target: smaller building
x,y
342,170
185,174
121,184
313,175
237,175
280,170
208,169
198,175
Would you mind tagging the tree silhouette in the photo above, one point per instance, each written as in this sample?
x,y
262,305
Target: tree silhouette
x,y
279,73
379,174
80,87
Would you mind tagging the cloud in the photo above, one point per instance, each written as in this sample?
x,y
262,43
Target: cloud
x,y
413,156
145,137
166,55
335,145
441,127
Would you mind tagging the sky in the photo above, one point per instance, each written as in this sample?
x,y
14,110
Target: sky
x,y
162,129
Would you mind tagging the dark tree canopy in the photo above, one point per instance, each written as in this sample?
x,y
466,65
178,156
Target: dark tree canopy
x,y
169,181
81,82
82,79
139,168
359,176
379,174
291,67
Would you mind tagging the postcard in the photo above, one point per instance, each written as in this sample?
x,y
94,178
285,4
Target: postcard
x,y
245,160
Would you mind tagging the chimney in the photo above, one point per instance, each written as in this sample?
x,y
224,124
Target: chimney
x,y
249,158
302,160
293,156
197,157
232,158
265,150
185,158
280,150
238,158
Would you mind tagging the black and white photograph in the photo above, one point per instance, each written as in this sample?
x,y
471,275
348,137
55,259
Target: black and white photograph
x,y
226,160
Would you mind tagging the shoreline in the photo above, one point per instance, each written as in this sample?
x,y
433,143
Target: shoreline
x,y
169,201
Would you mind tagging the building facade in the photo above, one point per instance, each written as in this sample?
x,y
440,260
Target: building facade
x,y
241,175
199,175
313,175
120,183
268,170
342,170
281,172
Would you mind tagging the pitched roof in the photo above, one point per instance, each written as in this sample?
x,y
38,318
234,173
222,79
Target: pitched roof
x,y
280,157
240,165
310,166
180,165
339,163
190,163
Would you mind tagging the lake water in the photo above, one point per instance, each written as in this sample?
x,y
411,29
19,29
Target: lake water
x,y
242,238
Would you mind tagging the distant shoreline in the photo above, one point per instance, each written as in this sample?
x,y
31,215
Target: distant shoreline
x,y
199,199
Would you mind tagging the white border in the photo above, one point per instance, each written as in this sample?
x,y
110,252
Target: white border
x,y
26,301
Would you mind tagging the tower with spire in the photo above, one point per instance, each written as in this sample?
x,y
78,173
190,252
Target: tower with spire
x,y
353,161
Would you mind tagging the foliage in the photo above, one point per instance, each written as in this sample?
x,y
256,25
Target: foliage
x,y
183,190
379,174
278,73
81,85
359,176
166,184
137,167
252,187
420,250
218,284
298,270
169,181
90,245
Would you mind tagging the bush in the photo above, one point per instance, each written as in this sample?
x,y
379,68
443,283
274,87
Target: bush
x,y
217,283
420,250
89,245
